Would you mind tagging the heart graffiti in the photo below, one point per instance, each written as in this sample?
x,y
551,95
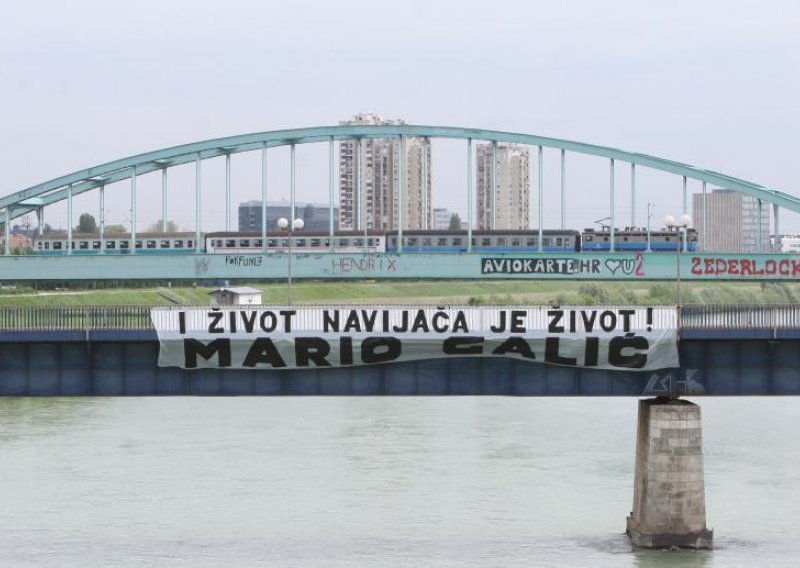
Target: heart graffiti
x,y
626,265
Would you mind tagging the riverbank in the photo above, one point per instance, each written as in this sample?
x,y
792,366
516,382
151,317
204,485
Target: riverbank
x,y
496,292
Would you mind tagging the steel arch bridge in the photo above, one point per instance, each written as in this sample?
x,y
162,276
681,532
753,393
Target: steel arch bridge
x,y
66,187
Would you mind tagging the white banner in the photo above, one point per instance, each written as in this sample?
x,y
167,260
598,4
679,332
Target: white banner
x,y
244,337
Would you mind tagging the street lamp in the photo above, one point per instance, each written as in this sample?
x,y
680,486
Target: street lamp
x,y
284,225
681,225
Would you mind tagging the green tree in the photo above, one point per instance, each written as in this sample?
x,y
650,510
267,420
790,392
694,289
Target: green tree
x,y
116,229
172,227
86,224
455,222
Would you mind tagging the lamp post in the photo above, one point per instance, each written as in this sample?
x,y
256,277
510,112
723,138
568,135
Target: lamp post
x,y
680,228
295,225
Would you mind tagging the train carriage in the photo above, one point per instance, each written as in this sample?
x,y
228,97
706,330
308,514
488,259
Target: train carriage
x,y
114,243
301,241
484,241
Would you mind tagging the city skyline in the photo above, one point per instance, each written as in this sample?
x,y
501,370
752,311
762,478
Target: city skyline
x,y
641,78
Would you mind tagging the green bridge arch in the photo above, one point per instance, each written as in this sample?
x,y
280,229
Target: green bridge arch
x,y
23,201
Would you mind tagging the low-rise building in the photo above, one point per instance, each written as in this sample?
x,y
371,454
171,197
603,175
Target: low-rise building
x,y
240,296
315,216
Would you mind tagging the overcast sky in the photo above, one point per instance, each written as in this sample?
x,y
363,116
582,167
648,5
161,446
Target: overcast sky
x,y
711,83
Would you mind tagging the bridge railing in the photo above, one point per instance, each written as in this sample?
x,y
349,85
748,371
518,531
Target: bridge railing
x,y
740,317
75,318
101,318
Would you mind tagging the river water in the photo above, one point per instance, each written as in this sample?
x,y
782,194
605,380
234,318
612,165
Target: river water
x,y
389,482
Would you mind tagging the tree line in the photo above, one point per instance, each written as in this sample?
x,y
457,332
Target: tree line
x,y
88,224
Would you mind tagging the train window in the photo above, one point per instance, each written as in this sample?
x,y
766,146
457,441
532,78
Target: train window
x,y
501,241
178,244
190,244
327,242
547,242
473,241
39,246
138,244
456,241
57,245
567,242
344,242
624,238
530,242
300,243
244,243
95,245
358,242
165,244
272,243
559,242
666,238
150,244
411,241
441,242
83,245
486,242
516,241
315,242
124,244
111,244
588,238
258,243
370,242
605,238
230,243
427,242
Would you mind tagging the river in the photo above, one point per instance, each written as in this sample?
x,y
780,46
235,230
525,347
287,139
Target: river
x,y
389,482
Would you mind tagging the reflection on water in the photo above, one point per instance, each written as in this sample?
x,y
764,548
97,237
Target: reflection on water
x,y
28,417
675,558
451,481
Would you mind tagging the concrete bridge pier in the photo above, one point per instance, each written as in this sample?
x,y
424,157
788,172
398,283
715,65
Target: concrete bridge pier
x,y
669,508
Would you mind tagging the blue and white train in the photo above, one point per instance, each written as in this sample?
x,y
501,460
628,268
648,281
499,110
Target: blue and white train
x,y
414,241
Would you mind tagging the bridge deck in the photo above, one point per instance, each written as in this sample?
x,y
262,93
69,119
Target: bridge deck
x,y
736,350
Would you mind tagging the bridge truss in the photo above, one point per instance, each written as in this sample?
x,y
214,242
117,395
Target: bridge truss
x,y
66,187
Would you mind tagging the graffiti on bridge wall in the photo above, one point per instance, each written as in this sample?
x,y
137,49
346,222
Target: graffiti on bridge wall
x,y
365,264
625,266
753,267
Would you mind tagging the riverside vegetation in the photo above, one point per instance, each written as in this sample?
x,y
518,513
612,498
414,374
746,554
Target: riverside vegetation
x,y
432,292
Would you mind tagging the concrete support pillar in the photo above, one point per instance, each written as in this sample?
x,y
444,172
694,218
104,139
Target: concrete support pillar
x,y
669,508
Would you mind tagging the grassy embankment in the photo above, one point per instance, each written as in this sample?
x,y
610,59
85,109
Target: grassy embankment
x,y
432,292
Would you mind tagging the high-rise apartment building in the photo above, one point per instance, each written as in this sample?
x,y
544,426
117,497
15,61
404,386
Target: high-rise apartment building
x,y
732,222
376,206
512,175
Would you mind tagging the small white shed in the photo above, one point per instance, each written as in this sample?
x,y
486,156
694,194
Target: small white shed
x,y
235,296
